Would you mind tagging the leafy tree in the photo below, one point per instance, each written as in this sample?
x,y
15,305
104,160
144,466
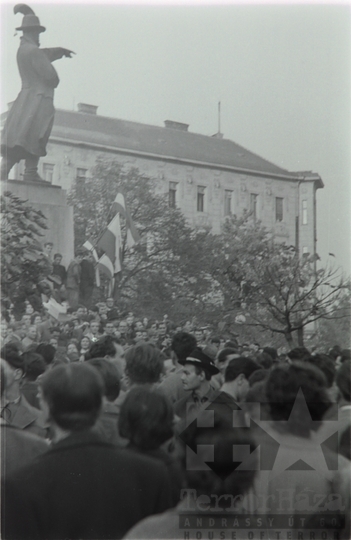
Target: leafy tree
x,y
269,286
167,268
23,265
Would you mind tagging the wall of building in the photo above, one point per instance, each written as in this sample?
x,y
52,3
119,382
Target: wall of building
x,y
67,160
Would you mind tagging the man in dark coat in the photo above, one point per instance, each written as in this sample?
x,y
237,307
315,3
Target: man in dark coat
x,y
87,280
83,487
31,117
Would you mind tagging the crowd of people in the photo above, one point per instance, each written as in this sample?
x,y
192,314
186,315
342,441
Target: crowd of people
x,y
115,426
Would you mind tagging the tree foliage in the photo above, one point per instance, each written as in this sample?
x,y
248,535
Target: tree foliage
x,y
22,263
168,266
273,287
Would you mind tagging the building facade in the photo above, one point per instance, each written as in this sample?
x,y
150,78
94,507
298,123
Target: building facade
x,y
208,178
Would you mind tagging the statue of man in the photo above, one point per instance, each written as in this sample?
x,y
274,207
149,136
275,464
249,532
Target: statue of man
x,y
31,117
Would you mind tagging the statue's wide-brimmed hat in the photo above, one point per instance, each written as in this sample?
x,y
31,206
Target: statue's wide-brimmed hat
x,y
30,20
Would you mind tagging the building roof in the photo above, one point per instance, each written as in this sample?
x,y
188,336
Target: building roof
x,y
159,141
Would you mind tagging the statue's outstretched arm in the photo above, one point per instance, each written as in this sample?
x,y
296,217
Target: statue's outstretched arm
x,y
55,53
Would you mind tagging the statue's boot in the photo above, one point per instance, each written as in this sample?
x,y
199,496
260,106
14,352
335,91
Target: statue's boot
x,y
31,170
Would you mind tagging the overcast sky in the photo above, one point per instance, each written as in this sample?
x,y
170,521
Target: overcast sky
x,y
281,72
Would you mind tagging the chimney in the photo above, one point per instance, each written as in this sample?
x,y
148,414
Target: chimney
x,y
176,125
217,135
86,108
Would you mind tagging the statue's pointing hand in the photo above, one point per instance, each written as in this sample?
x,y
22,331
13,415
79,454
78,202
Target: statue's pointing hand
x,y
66,52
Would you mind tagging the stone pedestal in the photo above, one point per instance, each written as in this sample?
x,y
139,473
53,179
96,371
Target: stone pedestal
x,y
51,201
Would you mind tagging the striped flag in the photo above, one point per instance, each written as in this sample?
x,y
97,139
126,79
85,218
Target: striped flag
x,y
119,206
90,247
111,243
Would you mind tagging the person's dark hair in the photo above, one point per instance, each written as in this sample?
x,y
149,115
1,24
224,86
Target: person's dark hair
x,y
215,339
110,376
222,478
105,346
238,366
282,388
144,364
34,316
34,365
47,351
325,364
57,255
74,395
224,353
12,356
231,344
334,352
146,418
258,375
343,379
273,353
257,396
345,355
265,360
183,344
299,353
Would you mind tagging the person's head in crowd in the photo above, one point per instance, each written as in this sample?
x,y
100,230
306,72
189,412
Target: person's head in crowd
x,y
254,347
299,354
48,248
224,357
236,377
130,319
197,371
103,309
182,345
109,375
57,258
325,364
14,367
144,364
334,352
138,325
71,397
34,365
123,328
81,312
29,309
26,319
198,334
85,343
220,480
54,342
110,302
273,353
46,351
145,322
258,376
109,328
162,329
256,406
55,332
36,319
32,332
343,356
109,347
3,328
72,348
146,418
215,343
145,335
265,360
343,380
299,388
94,328
79,254
138,336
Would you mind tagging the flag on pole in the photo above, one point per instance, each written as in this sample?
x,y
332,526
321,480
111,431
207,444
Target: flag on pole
x,y
111,243
119,206
90,247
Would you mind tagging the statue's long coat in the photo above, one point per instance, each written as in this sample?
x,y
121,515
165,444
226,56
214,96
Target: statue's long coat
x,y
31,117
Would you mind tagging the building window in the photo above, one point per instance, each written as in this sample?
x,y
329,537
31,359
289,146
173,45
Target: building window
x,y
304,212
81,174
172,194
279,209
48,172
228,202
201,198
254,205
